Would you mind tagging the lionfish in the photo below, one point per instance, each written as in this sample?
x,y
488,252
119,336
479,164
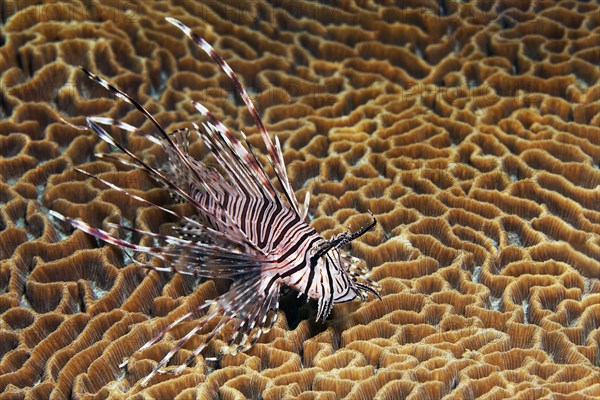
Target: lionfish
x,y
244,229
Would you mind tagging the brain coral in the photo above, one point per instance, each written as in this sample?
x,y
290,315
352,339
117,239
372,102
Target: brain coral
x,y
471,129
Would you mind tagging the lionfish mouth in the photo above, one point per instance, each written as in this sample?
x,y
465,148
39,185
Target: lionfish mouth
x,y
241,221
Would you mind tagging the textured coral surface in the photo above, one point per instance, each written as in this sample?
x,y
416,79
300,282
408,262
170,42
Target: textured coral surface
x,y
471,129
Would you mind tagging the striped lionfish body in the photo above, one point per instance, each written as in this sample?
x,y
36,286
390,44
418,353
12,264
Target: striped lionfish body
x,y
244,229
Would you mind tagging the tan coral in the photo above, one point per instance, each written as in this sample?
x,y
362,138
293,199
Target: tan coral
x,y
473,137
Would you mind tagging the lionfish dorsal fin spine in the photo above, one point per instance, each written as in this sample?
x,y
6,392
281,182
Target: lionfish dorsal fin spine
x,y
275,157
126,127
163,135
227,226
245,161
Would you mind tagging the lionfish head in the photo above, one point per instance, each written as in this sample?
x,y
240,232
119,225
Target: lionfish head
x,y
338,277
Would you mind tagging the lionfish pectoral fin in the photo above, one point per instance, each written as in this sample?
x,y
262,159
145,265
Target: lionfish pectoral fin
x,y
251,327
158,368
236,302
181,138
163,332
182,256
256,308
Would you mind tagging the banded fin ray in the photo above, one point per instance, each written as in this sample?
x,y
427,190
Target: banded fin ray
x,y
274,152
222,219
186,257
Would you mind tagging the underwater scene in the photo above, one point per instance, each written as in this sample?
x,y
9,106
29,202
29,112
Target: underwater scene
x,y
351,199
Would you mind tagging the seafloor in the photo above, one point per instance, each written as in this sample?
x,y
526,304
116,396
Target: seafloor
x,y
471,129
